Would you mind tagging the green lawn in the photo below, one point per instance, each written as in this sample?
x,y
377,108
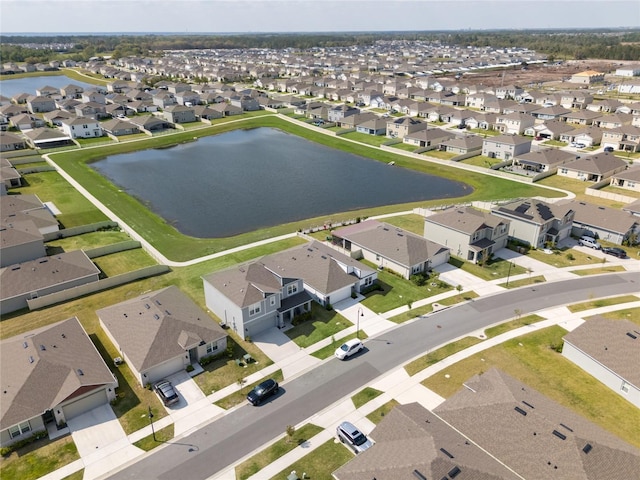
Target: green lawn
x,y
240,396
365,395
319,464
323,324
411,314
122,262
566,257
374,140
605,302
379,413
276,450
161,436
79,475
439,154
631,314
441,353
524,282
481,161
38,459
491,270
412,222
531,359
596,271
88,241
326,352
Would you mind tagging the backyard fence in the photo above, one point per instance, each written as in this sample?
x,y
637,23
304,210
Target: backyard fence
x,y
73,231
113,248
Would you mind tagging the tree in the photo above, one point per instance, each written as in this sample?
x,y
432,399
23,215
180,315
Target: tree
x,y
291,430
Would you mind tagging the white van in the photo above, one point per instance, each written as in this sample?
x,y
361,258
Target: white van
x,y
589,242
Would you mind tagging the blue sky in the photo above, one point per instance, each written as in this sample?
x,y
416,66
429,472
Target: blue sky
x,y
224,16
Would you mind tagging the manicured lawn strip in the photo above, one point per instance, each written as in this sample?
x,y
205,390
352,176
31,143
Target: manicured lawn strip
x,y
459,298
379,413
79,475
398,292
411,314
492,270
276,450
412,223
87,241
596,271
122,262
523,282
513,324
531,359
162,436
365,395
51,187
631,314
567,257
323,324
326,352
578,188
39,458
319,464
241,395
481,161
604,302
441,353
180,247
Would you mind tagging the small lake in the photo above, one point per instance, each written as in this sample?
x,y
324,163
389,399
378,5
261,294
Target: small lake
x,y
245,180
10,87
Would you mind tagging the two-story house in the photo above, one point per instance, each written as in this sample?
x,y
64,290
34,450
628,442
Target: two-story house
x,y
505,147
514,123
82,127
401,127
471,234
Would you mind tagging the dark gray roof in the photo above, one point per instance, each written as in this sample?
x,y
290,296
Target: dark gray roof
x,y
467,220
632,174
403,247
245,284
602,163
533,211
42,368
411,438
604,218
159,326
548,156
534,436
610,343
508,139
18,232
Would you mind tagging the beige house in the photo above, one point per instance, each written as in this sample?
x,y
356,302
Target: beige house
x,y
587,77
401,127
505,147
628,179
593,168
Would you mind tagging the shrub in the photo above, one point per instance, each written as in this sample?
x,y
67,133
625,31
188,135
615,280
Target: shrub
x,y
301,318
419,279
371,288
570,257
189,368
329,307
6,451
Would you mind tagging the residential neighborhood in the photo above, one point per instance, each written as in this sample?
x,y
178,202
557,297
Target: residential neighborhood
x,y
485,325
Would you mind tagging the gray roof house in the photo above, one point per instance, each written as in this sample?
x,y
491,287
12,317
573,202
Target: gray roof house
x,y
401,127
604,349
27,207
42,276
610,224
505,147
532,435
544,160
413,443
470,234
428,138
9,176
160,333
594,168
20,239
535,222
50,375
390,247
271,291
462,145
179,114
628,179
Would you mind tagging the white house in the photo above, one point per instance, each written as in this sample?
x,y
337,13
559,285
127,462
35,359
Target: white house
x,y
82,127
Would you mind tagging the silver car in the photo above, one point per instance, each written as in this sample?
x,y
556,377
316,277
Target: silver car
x,y
354,438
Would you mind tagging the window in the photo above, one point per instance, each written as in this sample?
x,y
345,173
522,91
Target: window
x,y
563,170
415,269
212,347
292,288
20,429
368,281
254,309
272,300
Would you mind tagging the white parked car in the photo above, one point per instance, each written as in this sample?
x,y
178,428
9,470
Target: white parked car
x,y
350,347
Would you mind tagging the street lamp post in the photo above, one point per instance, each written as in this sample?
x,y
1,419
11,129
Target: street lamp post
x,y
508,274
360,314
151,420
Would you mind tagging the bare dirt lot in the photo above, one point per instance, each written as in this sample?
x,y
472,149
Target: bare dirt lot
x,y
536,74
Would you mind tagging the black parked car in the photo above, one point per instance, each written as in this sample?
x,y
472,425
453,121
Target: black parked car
x,y
608,149
166,392
263,391
615,251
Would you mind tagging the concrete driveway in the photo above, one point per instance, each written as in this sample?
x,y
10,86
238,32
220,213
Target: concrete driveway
x,y
284,352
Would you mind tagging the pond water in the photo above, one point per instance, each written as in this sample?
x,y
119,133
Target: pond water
x,y
245,180
10,87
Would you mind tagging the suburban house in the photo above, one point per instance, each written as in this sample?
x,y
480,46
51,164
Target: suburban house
x,y
545,160
470,234
20,239
413,443
593,168
373,126
603,348
82,127
625,138
339,112
245,102
270,292
10,142
555,112
18,208
610,224
582,117
505,147
428,138
507,418
161,332
462,145
389,247
535,222
42,276
550,129
179,114
401,127
117,127
49,376
9,176
628,179
37,104
590,136
24,121
587,77
514,123
47,138
481,120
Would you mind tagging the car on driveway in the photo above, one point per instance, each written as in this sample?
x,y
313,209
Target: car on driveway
x,y
615,251
608,149
348,348
261,392
354,438
591,242
166,392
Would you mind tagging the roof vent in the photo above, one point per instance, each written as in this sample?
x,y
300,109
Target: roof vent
x,y
561,436
528,404
563,425
454,472
31,359
80,372
629,334
43,348
419,475
520,411
587,448
25,344
446,453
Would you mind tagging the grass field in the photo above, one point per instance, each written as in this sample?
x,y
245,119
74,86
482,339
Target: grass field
x,y
38,459
323,324
365,395
319,464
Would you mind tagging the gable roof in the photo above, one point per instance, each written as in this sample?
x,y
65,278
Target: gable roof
x,y
547,156
159,326
533,211
601,163
401,246
467,220
611,343
42,368
245,284
533,435
605,218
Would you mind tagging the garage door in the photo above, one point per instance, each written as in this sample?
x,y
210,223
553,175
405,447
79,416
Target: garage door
x,y
84,404
165,369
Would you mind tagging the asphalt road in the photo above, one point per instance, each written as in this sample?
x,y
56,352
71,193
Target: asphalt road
x,y
221,443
